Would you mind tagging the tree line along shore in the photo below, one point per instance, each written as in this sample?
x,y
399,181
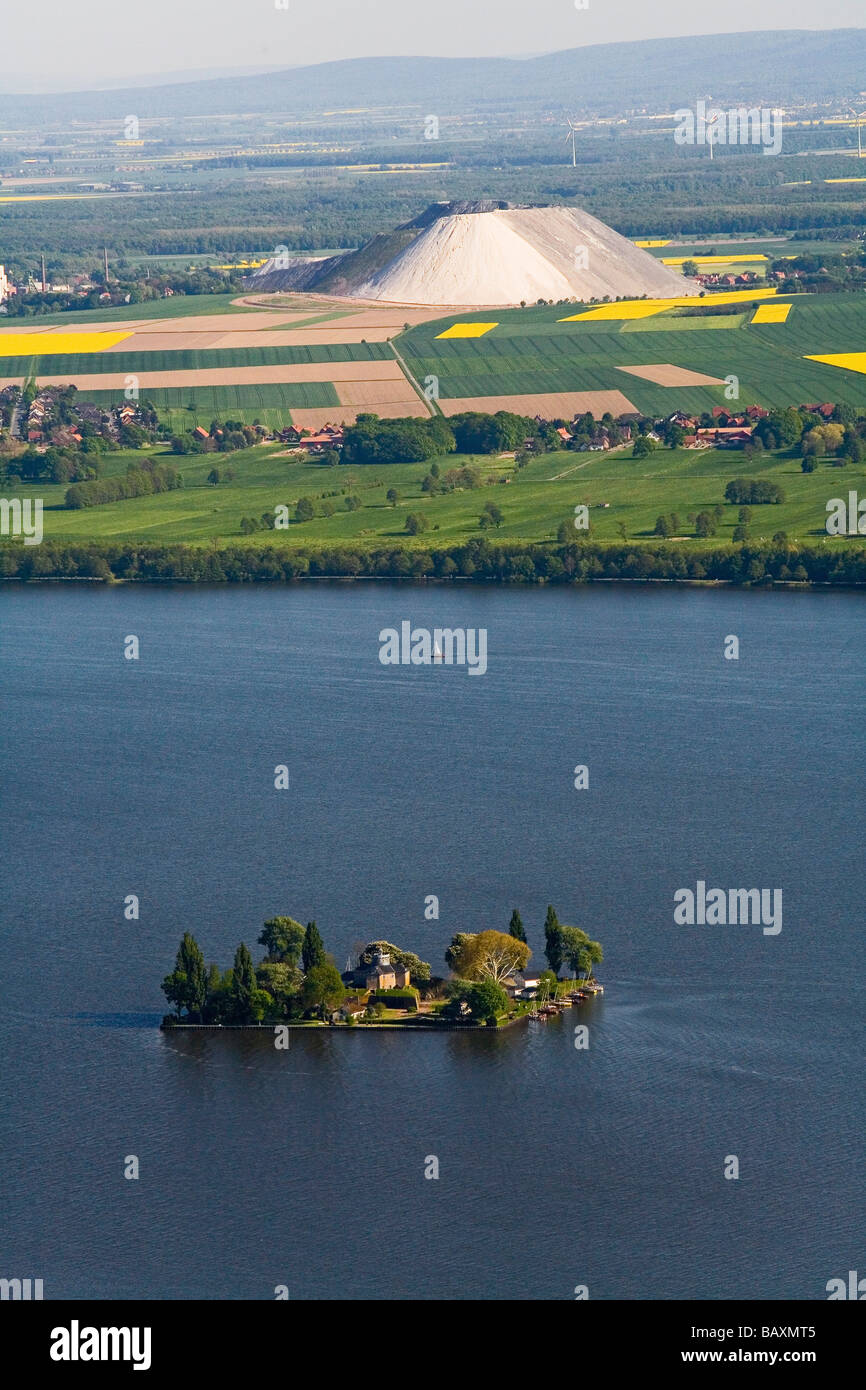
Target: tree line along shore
x,y
297,981
837,562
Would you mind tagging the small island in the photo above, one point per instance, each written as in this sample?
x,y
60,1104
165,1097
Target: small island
x,y
297,983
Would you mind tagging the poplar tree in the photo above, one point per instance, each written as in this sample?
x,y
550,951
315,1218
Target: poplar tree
x,y
186,986
313,949
243,984
515,926
553,940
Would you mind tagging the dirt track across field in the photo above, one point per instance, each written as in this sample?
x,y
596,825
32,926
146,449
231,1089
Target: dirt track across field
x,y
366,313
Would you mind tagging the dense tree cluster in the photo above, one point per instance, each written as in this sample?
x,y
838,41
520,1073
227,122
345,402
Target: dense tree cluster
x,y
296,978
476,432
371,440
569,947
222,437
53,465
130,289
753,491
139,480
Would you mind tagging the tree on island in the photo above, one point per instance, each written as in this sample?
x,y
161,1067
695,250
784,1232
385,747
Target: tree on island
x,y
313,948
553,940
591,956
244,987
282,982
515,926
578,951
452,952
487,955
186,987
283,939
322,988
485,1000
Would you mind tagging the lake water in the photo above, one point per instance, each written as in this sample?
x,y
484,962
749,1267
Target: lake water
x,y
558,1166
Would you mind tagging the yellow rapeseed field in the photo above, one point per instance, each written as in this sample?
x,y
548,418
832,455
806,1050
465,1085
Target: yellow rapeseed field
x,y
652,243
772,313
56,340
851,361
710,260
47,197
467,330
642,308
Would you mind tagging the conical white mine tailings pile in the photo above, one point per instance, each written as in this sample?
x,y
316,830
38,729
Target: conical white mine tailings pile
x,y
514,254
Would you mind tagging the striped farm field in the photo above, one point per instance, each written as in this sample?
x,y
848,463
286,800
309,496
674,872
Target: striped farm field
x,y
223,400
191,359
537,352
661,323
271,405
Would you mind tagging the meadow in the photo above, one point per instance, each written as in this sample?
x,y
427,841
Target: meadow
x,y
177,306
534,502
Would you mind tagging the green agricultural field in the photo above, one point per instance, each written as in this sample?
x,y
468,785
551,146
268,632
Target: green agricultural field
x,y
183,408
178,306
678,320
531,352
189,359
771,247
534,502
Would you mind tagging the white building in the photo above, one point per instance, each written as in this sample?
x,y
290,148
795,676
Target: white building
x,y
5,287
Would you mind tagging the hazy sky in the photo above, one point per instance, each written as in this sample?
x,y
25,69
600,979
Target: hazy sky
x,y
74,43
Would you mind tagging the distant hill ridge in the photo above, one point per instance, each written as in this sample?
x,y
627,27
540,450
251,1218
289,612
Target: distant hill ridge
x,y
775,66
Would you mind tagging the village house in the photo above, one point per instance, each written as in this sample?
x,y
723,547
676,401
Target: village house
x,y
686,422
353,1007
522,984
329,437
727,436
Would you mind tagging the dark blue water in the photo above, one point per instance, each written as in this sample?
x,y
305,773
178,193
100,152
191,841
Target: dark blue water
x,y
558,1167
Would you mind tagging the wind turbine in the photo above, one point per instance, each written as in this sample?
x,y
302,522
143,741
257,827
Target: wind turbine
x,y
859,117
570,136
711,123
